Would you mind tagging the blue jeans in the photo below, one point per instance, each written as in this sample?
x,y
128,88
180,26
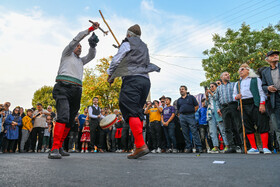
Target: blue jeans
x,y
213,123
169,132
188,122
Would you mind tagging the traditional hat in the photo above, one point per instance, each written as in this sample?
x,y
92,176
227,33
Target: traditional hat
x,y
135,29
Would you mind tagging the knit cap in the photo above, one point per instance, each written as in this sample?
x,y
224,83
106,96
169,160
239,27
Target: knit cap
x,y
135,29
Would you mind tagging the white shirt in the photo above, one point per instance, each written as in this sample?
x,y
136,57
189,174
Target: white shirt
x,y
245,89
124,48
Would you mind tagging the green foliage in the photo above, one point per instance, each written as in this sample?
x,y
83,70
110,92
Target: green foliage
x,y
238,47
44,96
95,85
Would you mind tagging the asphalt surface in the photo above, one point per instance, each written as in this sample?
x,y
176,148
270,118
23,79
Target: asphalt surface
x,y
114,169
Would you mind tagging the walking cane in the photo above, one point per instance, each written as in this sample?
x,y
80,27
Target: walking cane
x,y
110,30
243,127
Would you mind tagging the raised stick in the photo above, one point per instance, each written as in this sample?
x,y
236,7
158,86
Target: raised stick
x,y
105,32
109,28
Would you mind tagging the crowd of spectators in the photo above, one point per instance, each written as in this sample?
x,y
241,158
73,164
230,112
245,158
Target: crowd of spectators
x,y
211,125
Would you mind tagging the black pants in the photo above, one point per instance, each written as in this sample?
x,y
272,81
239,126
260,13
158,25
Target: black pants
x,y
252,116
94,133
9,145
133,95
37,131
156,133
103,138
79,140
204,133
232,122
68,99
126,138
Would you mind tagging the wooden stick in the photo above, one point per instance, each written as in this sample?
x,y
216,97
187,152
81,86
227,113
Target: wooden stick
x,y
109,28
243,126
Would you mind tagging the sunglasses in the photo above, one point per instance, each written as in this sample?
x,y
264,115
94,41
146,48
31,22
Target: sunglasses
x,y
212,86
162,101
242,69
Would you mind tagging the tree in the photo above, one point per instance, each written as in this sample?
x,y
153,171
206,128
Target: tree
x,y
44,96
95,85
238,47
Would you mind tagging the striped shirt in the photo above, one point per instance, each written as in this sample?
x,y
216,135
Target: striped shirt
x,y
224,94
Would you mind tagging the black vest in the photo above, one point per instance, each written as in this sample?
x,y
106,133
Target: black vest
x,y
95,111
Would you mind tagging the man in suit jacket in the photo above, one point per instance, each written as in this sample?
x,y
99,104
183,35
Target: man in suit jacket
x,y
271,85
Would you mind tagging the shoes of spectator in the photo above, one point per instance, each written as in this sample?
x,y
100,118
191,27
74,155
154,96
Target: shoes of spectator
x,y
163,151
22,151
230,150
174,151
153,151
158,150
39,151
86,151
47,150
169,151
266,151
54,154
238,149
214,150
188,151
100,150
225,149
31,151
42,151
253,151
82,151
199,150
139,152
11,151
63,153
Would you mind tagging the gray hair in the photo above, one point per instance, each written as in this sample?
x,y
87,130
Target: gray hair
x,y
132,34
221,76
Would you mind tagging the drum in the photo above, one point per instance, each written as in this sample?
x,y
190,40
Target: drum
x,y
108,121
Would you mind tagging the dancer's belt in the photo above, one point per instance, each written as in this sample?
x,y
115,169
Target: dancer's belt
x,y
227,104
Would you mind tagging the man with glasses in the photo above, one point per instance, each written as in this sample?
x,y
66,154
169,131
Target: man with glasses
x,y
227,108
271,86
250,91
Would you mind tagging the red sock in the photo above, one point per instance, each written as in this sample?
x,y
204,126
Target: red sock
x,y
83,148
65,133
252,141
264,137
86,148
57,135
136,126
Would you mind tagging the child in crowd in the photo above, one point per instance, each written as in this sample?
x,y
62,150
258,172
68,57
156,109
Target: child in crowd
x,y
27,127
85,137
203,124
118,135
47,133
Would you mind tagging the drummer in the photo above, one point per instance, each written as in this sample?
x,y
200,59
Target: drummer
x,y
132,63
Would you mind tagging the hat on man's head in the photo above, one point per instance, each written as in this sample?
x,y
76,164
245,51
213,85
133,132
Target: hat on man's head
x,y
272,52
135,29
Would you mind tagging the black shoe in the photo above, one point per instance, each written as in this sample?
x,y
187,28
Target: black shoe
x,y
54,154
230,150
63,153
199,151
22,151
188,151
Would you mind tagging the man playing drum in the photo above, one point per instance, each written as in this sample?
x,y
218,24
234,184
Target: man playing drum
x,y
68,89
132,63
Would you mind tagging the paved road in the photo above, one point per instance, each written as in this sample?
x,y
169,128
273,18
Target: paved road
x,y
113,169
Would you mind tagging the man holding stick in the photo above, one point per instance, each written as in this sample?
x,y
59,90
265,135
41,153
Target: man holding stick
x,y
68,89
132,63
271,85
253,100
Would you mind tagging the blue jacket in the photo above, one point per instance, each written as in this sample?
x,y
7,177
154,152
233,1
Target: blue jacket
x,y
201,116
12,131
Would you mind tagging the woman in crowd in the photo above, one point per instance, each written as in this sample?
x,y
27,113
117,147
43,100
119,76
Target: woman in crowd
x,y
12,123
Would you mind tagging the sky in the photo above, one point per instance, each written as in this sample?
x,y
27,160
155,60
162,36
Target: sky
x,y
33,34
